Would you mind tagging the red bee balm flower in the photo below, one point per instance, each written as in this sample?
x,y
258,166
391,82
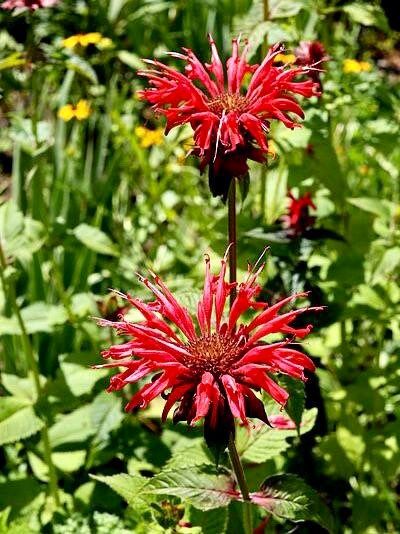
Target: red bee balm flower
x,y
230,121
298,219
312,53
29,4
210,368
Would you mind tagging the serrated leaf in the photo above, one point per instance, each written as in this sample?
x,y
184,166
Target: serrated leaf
x,y
289,497
202,486
21,387
264,442
129,487
17,420
95,239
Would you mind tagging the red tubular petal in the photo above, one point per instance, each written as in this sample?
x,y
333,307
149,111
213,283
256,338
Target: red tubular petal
x,y
204,396
216,65
232,65
235,398
254,126
150,391
196,71
176,394
205,305
256,376
272,311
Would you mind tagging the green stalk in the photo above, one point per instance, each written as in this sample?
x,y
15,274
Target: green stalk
x,y
33,366
233,454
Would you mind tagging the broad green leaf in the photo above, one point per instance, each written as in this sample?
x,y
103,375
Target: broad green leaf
x,y
211,522
371,205
18,493
264,442
21,387
296,402
106,416
388,264
69,461
366,14
129,487
289,497
17,420
95,239
202,486
74,427
20,236
79,377
37,317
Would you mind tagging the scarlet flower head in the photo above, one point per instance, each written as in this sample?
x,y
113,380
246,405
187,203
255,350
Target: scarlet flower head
x,y
229,113
298,218
312,53
28,4
209,365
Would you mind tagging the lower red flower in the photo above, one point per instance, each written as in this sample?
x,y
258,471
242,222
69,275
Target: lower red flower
x,y
298,220
312,53
28,4
209,366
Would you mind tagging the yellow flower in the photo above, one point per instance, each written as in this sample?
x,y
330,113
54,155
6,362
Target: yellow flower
x,y
354,66
148,137
82,39
105,42
80,112
287,59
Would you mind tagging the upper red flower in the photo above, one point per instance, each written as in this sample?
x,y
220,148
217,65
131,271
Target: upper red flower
x,y
29,4
211,365
298,218
229,113
312,53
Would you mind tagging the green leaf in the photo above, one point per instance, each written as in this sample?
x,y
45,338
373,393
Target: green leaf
x,y
21,387
289,497
130,59
74,427
95,239
21,236
264,442
389,264
130,488
37,317
211,522
17,420
79,377
13,60
366,14
18,493
296,402
371,205
202,486
83,68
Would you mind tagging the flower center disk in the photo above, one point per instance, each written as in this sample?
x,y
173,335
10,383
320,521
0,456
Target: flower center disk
x,y
214,353
228,102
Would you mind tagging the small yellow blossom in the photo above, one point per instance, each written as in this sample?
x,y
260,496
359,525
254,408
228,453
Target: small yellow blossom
x,y
105,42
82,39
287,59
80,112
148,137
354,66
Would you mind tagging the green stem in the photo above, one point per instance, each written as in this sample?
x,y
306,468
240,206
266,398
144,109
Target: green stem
x,y
33,366
233,454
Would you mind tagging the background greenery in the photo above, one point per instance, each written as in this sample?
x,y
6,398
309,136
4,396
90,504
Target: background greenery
x,y
87,203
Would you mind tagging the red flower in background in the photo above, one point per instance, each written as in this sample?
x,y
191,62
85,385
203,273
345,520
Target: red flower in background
x,y
312,53
211,365
298,219
29,4
230,117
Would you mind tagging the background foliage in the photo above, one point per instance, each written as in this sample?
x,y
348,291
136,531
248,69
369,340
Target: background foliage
x,y
87,203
